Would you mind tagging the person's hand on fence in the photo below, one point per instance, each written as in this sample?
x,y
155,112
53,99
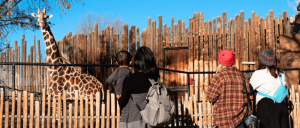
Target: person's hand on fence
x,y
118,96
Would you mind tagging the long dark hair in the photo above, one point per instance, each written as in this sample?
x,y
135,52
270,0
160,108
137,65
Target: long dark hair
x,y
144,62
273,69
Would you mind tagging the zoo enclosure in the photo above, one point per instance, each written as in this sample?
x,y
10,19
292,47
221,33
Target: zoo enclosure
x,y
203,40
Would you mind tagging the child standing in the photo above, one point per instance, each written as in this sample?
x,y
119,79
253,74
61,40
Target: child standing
x,y
117,78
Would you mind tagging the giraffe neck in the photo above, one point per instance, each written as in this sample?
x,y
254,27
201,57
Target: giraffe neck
x,y
52,52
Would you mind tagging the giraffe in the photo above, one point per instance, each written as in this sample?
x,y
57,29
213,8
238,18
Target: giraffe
x,y
64,78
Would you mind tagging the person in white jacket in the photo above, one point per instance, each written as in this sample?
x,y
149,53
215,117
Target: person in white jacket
x,y
267,80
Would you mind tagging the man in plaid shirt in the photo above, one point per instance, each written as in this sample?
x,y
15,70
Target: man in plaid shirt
x,y
227,94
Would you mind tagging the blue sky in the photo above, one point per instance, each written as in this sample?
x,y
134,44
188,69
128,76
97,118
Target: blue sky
x,y
136,12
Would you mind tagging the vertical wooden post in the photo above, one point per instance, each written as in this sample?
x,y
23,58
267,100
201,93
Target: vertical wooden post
x,y
228,35
16,67
143,43
108,109
112,48
76,110
18,110
43,107
86,122
219,39
280,24
13,105
98,112
92,110
138,43
6,114
224,44
37,114
214,45
191,50
103,113
149,32
1,107
246,48
70,115
237,40
25,106
118,114
153,37
59,110
204,109
160,43
205,55
285,22
196,53
113,111
31,110
257,42
81,112
252,37
271,33
89,51
106,45
262,34
83,52
242,41
277,44
116,42
125,43
132,41
232,34
23,59
54,112
267,27
49,109
201,47
210,49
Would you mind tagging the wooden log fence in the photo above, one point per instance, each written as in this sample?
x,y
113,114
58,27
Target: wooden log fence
x,y
105,114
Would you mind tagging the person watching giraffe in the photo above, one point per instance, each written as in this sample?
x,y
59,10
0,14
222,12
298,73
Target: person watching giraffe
x,y
123,59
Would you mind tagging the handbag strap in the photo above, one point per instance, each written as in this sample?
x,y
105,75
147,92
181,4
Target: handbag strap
x,y
248,100
135,104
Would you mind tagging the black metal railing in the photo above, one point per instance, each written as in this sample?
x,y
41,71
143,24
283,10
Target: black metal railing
x,y
13,64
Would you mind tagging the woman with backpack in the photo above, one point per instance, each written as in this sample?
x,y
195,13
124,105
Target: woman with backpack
x,y
266,80
136,87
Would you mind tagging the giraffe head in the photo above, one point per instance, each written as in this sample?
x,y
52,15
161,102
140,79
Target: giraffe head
x,y
41,17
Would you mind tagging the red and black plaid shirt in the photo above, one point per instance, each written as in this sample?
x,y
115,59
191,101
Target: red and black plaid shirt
x,y
228,95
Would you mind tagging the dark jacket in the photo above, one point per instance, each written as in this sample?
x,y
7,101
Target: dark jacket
x,y
136,87
117,78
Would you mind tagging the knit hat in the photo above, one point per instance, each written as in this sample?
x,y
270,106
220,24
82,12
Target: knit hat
x,y
267,58
226,57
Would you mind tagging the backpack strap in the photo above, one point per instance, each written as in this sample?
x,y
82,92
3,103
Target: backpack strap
x,y
247,96
265,95
153,82
280,78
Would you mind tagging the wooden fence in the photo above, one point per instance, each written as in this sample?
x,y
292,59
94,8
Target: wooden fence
x,y
24,110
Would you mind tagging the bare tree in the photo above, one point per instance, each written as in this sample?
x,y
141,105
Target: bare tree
x,y
86,24
15,14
